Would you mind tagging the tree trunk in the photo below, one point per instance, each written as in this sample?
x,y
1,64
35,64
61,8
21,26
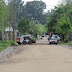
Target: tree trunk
x,y
2,30
13,33
9,33
63,37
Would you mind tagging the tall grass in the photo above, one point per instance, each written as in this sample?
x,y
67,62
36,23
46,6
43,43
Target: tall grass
x,y
5,44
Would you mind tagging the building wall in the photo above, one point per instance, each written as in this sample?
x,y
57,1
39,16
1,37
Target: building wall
x,y
11,35
7,36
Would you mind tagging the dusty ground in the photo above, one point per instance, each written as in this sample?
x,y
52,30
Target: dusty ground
x,y
40,57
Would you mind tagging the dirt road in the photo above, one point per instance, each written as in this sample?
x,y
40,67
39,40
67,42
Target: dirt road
x,y
40,58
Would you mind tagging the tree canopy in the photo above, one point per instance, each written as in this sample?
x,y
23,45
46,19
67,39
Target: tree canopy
x,y
24,25
60,22
34,11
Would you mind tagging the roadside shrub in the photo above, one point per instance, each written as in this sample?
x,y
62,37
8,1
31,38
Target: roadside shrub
x,y
5,44
13,43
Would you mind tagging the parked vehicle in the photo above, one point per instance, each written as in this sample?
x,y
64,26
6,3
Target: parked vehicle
x,y
39,37
25,39
56,36
18,40
53,41
43,36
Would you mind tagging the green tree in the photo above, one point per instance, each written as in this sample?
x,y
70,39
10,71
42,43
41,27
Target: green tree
x,y
12,18
41,29
33,28
61,17
34,11
15,14
63,26
23,25
3,16
19,8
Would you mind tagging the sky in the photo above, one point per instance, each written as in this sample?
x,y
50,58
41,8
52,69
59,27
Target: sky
x,y
50,3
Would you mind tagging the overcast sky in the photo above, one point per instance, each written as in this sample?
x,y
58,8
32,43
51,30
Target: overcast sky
x,y
50,3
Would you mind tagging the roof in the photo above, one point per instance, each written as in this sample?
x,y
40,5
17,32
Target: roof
x,y
9,29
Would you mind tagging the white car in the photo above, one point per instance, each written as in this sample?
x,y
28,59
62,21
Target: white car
x,y
56,36
39,37
53,41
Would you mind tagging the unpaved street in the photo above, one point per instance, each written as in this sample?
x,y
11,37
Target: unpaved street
x,y
39,57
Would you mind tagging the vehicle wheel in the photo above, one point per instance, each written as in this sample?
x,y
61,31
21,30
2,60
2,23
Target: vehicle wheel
x,y
56,43
50,42
19,43
34,41
24,43
30,42
48,39
41,38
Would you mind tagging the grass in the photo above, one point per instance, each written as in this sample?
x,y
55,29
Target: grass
x,y
5,44
69,43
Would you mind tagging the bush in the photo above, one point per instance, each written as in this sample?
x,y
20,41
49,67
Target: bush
x,y
66,41
13,43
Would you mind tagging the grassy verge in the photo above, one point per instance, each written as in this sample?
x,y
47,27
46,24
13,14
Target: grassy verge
x,y
69,43
5,44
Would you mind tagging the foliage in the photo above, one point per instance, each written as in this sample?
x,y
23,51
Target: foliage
x,y
17,7
30,27
14,11
3,17
60,22
63,26
34,11
2,12
5,44
23,25
37,28
63,43
33,28
41,29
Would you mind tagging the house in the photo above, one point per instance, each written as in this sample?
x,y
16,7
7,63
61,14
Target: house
x,y
9,33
